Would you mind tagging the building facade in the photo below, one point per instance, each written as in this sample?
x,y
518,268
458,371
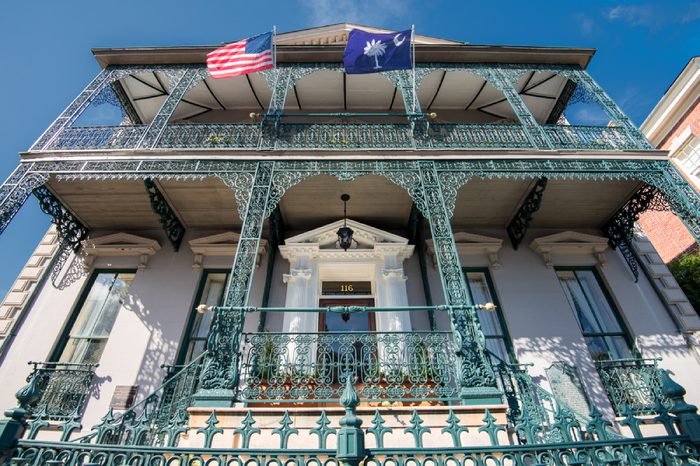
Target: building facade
x,y
674,125
305,266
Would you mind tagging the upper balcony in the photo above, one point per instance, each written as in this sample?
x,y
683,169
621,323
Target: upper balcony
x,y
461,97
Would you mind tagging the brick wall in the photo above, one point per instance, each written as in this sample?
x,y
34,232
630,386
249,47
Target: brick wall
x,y
667,233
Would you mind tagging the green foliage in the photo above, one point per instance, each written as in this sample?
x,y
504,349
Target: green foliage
x,y
686,270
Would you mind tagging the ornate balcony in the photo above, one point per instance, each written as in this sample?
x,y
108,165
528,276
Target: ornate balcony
x,y
57,390
312,367
340,136
633,385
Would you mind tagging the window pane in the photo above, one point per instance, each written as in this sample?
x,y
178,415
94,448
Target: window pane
x,y
606,317
212,295
481,294
498,347
578,302
96,317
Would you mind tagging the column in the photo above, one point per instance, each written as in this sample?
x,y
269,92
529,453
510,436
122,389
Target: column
x,y
219,377
475,375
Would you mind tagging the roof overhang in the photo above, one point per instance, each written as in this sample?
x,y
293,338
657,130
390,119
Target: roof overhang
x,y
449,53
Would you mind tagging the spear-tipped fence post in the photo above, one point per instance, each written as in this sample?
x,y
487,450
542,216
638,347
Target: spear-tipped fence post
x,y
351,438
687,414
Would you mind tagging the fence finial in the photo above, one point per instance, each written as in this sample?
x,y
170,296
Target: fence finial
x,y
351,438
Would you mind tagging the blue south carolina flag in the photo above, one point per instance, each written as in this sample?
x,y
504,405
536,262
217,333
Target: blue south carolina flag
x,y
367,52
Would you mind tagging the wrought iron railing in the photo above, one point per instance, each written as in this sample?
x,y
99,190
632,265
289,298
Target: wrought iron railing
x,y
633,384
97,137
312,367
210,136
341,136
408,442
587,137
59,389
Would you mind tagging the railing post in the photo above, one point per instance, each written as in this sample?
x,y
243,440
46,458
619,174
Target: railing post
x,y
12,428
351,438
687,414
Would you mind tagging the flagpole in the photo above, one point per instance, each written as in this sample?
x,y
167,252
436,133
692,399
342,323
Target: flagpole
x,y
413,63
274,46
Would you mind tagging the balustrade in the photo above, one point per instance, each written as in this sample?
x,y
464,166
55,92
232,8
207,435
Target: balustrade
x,y
633,384
57,390
340,136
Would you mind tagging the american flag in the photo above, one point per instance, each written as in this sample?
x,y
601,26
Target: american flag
x,y
242,57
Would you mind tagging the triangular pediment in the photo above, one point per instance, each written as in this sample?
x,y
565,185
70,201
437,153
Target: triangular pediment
x,y
326,236
570,242
337,34
466,238
228,237
471,244
121,239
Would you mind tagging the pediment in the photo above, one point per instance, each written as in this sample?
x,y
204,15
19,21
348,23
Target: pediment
x,y
471,244
220,244
120,245
367,237
337,34
570,242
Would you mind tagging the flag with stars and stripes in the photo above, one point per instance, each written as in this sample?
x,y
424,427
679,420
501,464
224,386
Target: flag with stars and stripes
x,y
242,57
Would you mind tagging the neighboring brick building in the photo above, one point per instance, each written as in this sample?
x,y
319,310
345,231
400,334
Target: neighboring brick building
x,y
674,125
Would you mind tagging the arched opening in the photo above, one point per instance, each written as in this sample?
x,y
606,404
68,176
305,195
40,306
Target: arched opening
x,y
463,97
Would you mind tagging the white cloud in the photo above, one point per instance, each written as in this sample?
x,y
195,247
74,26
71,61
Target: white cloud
x,y
367,12
652,15
585,22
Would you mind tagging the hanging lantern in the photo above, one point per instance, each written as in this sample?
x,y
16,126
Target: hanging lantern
x,y
345,232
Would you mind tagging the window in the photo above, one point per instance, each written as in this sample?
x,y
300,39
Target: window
x,y
94,319
605,335
211,293
492,322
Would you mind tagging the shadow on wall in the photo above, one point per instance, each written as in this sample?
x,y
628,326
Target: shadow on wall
x,y
545,351
158,351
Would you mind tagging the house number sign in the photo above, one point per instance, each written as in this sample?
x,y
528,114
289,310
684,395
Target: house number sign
x,y
354,288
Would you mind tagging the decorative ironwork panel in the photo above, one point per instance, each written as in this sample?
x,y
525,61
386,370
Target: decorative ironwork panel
x,y
476,375
619,229
389,366
15,191
210,136
97,137
344,136
588,137
452,136
633,384
517,228
70,230
60,389
174,229
184,80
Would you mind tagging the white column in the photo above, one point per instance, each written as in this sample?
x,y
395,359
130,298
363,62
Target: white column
x,y
302,286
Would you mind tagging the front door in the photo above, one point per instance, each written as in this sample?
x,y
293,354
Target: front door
x,y
348,346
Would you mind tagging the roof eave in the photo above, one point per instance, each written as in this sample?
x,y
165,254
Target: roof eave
x,y
334,53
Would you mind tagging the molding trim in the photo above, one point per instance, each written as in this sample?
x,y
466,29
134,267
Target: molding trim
x,y
471,244
119,245
222,245
570,242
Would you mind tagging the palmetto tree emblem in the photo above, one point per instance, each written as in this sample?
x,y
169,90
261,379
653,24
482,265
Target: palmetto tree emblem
x,y
375,49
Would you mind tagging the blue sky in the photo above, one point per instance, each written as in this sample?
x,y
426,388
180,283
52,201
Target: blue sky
x,y
45,45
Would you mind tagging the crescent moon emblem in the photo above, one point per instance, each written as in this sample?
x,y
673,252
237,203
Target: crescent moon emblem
x,y
398,42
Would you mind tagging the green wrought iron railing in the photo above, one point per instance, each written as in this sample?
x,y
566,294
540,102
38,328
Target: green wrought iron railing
x,y
633,385
341,136
409,442
59,388
311,367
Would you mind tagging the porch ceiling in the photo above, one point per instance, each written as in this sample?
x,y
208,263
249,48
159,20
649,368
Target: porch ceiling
x,y
565,204
210,204
373,200
124,204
